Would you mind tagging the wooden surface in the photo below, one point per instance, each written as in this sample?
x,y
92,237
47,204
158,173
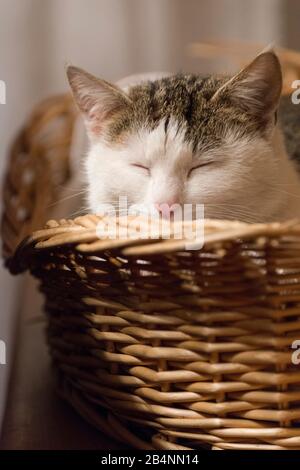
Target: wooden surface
x,y
36,418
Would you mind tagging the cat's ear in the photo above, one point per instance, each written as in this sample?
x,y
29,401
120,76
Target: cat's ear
x,y
256,89
99,101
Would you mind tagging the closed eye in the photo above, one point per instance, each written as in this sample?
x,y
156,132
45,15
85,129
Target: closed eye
x,y
201,165
138,165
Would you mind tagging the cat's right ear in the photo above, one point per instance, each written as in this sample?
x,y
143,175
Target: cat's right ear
x,y
99,101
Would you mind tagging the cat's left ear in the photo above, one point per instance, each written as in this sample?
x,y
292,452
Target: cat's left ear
x,y
256,89
98,100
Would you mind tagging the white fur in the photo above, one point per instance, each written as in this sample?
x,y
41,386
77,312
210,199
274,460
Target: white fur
x,y
251,180
248,180
111,173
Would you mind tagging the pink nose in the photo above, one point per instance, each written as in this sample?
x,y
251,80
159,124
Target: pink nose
x,y
166,208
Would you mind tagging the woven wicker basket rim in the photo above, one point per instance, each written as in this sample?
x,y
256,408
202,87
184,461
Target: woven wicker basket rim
x,y
81,233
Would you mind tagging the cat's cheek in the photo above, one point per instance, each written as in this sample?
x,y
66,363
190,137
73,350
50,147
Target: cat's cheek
x,y
204,187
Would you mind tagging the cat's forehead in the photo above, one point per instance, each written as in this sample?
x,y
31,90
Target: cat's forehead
x,y
166,140
186,100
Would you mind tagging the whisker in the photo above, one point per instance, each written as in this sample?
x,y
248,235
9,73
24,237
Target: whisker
x,y
282,191
77,213
65,199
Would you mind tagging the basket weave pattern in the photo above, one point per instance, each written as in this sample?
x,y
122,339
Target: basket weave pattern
x,y
157,346
195,345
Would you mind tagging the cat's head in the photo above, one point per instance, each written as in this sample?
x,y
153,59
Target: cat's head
x,y
183,139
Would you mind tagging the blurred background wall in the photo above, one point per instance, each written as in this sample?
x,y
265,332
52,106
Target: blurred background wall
x,y
112,38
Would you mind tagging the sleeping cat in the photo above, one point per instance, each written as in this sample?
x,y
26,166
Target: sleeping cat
x,y
162,141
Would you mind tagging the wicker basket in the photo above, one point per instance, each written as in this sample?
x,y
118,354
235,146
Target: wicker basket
x,y
157,346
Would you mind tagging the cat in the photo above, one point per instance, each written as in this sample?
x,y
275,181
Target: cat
x,y
170,140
